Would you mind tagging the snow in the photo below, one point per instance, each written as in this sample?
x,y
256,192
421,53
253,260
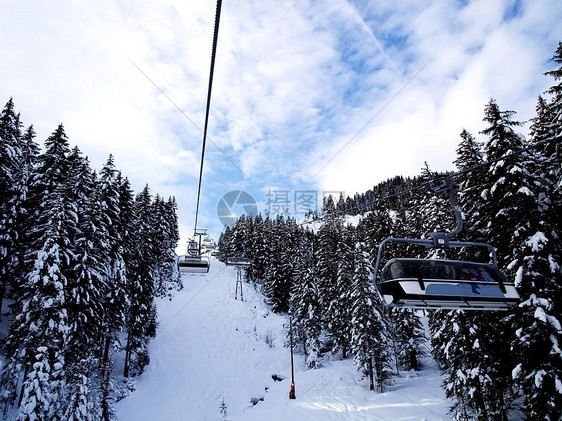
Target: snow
x,y
537,241
538,378
211,348
519,276
554,266
526,191
540,314
516,371
558,385
498,183
545,318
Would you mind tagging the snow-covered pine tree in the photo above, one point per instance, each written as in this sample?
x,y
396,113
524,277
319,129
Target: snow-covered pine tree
x,y
305,305
159,223
328,238
377,225
536,262
86,283
87,275
339,309
225,242
141,317
277,282
258,252
341,206
369,342
30,153
171,243
41,329
164,220
240,235
52,165
409,337
507,201
555,107
115,199
10,193
47,249
11,250
431,211
470,186
466,345
80,406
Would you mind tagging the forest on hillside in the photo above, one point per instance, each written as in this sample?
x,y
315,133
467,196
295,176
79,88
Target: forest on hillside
x,y
82,258
492,362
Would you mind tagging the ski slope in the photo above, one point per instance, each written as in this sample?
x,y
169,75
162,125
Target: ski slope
x,y
211,347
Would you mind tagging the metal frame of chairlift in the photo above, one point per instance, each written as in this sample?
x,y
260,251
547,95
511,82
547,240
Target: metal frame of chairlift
x,y
426,290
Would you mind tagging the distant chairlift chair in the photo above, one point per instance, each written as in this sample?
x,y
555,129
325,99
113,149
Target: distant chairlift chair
x,y
240,263
443,284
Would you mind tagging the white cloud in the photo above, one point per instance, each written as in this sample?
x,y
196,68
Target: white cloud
x,y
474,55
293,83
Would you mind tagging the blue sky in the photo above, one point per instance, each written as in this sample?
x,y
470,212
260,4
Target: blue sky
x,y
308,96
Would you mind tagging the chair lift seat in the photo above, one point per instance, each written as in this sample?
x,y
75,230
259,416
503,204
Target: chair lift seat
x,y
238,261
193,264
446,284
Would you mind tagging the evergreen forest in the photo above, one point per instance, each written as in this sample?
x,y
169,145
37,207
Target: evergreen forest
x,y
82,258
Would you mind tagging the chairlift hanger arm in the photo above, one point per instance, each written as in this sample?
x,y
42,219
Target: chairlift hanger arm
x,y
445,184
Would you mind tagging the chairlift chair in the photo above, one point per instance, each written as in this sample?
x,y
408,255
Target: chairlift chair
x,y
440,283
238,261
193,262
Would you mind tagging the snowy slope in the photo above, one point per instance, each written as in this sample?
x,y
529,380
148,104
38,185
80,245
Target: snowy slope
x,y
212,347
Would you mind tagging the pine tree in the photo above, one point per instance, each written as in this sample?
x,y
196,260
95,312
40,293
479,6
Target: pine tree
x,y
470,186
52,164
369,331
305,306
339,309
409,337
30,153
460,341
10,193
329,236
141,317
42,327
87,285
164,220
258,252
278,272
536,258
508,197
115,200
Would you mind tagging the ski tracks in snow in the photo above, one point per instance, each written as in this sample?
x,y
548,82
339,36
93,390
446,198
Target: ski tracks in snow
x,y
208,347
211,347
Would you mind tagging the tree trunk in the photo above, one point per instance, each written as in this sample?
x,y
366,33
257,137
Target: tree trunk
x,y
127,356
2,290
23,383
105,383
371,378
